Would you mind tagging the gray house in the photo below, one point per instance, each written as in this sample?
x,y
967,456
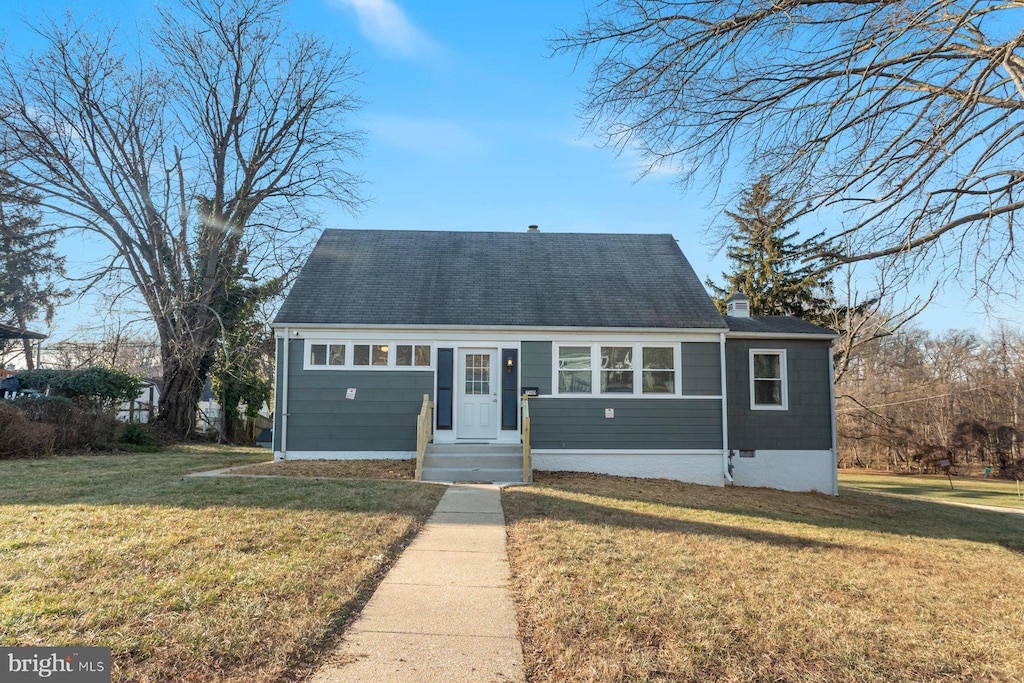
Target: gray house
x,y
628,367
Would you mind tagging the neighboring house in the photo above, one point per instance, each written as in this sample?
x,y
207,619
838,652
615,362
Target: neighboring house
x,y
634,371
144,407
209,416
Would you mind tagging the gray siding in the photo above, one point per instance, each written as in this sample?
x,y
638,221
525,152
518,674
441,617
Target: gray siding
x,y
381,418
701,369
638,423
536,365
278,388
807,425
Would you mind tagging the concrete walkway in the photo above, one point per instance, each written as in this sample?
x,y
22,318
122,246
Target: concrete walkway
x,y
443,612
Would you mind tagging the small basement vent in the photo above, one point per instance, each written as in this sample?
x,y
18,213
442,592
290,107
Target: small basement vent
x,y
738,306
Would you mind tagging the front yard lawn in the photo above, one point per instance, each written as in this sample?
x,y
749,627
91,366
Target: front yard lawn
x,y
335,469
971,490
619,579
192,579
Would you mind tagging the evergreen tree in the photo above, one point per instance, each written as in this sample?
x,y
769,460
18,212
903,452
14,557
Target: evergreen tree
x,y
765,256
28,261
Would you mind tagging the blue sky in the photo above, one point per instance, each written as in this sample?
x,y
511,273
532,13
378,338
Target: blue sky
x,y
472,125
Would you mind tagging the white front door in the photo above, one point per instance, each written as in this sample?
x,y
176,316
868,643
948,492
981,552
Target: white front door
x,y
477,408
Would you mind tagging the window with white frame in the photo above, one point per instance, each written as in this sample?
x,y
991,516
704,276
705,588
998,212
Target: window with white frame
x,y
327,354
769,388
615,369
659,371
412,355
574,370
333,355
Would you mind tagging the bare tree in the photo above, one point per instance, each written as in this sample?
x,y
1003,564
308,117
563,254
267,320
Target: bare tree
x,y
908,116
860,319
191,158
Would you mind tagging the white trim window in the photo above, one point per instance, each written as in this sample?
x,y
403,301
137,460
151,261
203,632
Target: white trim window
x,y
337,355
769,385
612,369
574,370
326,354
659,370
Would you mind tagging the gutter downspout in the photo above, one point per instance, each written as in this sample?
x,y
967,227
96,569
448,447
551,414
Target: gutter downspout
x,y
284,394
832,412
725,411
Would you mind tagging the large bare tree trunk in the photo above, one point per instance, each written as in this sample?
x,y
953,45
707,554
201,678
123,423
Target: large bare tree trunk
x,y
182,388
26,343
194,165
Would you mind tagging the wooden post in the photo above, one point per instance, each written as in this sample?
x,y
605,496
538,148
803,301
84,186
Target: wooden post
x,y
527,461
424,432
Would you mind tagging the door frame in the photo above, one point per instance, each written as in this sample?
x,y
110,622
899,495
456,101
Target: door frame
x,y
460,389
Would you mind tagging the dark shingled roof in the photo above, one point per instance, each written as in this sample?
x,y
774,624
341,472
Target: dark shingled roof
x,y
405,277
774,324
12,332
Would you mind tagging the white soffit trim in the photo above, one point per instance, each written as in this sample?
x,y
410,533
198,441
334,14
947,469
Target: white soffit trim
x,y
779,335
504,331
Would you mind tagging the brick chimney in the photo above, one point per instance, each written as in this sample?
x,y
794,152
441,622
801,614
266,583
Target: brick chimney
x,y
532,228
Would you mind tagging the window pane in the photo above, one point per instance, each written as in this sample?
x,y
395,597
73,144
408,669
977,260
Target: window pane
x,y
768,392
617,358
422,355
337,354
574,381
658,359
767,366
318,354
574,357
403,355
360,354
617,381
659,382
380,354
478,374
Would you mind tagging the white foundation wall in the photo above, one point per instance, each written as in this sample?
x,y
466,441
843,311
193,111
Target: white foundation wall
x,y
787,470
344,455
693,468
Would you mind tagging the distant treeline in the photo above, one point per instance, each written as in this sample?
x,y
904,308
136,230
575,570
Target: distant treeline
x,y
913,400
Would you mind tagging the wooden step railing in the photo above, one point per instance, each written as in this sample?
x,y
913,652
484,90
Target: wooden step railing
x,y
424,433
527,462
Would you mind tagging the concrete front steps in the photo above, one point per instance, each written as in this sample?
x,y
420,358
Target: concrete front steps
x,y
478,463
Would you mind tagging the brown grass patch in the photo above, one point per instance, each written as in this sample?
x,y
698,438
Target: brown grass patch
x,y
335,469
196,580
620,579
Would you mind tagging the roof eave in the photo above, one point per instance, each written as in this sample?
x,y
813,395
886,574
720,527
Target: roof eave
x,y
495,328
782,335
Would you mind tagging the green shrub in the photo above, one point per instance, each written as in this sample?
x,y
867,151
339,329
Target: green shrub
x,y
20,437
137,438
92,387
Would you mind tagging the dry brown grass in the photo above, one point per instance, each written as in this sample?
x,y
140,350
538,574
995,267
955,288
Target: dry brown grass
x,y
335,469
192,580
621,579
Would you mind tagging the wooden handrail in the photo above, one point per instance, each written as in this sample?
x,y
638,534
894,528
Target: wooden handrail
x,y
424,433
527,462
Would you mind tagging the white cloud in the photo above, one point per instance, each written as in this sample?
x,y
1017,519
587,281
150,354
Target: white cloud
x,y
437,139
385,24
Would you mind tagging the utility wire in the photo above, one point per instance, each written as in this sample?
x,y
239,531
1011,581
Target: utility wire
x,y
909,400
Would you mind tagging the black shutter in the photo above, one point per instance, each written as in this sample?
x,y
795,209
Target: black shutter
x,y
445,368
509,389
